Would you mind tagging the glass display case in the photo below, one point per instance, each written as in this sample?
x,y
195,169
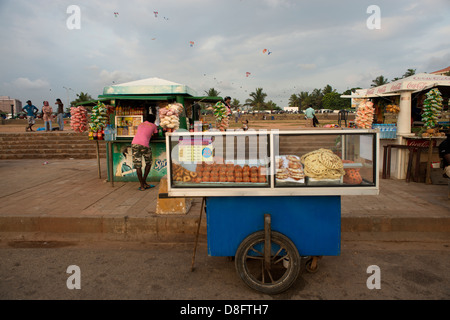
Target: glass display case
x,y
126,125
273,163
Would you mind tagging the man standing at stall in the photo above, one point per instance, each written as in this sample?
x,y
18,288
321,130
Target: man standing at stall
x,y
310,114
31,112
140,147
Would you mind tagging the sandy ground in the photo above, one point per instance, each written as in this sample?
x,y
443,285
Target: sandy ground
x,y
19,125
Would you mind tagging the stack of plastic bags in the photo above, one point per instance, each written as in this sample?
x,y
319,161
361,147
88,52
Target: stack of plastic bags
x,y
364,115
99,117
432,107
78,119
221,114
169,116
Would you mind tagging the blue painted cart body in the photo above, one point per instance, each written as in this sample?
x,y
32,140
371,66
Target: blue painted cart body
x,y
312,223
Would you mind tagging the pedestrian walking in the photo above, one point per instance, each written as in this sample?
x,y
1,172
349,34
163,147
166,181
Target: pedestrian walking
x,y
48,115
140,147
60,114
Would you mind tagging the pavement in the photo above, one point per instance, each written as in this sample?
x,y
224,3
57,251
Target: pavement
x,y
43,200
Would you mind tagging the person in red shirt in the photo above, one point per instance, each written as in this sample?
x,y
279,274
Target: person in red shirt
x,y
140,147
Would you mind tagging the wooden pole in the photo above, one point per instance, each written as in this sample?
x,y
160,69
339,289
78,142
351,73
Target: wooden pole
x,y
98,160
430,152
110,151
196,236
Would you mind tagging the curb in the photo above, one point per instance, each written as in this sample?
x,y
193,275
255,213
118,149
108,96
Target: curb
x,y
182,228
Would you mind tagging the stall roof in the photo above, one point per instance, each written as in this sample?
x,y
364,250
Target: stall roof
x,y
91,102
135,97
414,83
147,87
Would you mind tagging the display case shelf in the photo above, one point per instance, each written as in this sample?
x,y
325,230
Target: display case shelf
x,y
126,125
273,163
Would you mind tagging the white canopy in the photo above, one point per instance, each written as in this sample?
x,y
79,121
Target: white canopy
x,y
148,86
414,83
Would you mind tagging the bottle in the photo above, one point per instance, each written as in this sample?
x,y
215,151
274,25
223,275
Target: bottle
x,y
108,136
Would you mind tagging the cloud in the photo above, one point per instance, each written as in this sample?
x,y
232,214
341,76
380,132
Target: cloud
x,y
25,83
307,66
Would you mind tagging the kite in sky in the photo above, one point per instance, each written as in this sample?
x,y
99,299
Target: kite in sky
x,y
116,14
191,43
156,13
267,51
247,74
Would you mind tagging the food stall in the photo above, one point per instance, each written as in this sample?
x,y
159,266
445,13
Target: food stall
x,y
130,102
399,115
273,197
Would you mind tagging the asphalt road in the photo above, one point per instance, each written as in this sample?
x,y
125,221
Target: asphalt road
x,y
144,271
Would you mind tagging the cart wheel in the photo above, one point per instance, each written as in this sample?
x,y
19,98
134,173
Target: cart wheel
x,y
284,265
311,265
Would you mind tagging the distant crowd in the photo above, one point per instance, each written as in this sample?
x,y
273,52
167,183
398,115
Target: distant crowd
x,y
47,114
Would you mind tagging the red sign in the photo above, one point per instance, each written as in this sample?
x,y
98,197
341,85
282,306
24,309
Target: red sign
x,y
420,143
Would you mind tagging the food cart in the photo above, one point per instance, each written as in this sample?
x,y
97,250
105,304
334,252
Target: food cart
x,y
273,198
131,101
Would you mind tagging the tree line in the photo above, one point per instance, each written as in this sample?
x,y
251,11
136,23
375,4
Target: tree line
x,y
319,98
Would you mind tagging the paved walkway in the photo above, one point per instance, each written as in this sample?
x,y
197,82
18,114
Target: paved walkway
x,y
51,199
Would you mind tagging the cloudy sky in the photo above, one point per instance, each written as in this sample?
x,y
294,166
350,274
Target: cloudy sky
x,y
311,44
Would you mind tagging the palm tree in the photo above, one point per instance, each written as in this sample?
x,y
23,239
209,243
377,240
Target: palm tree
x,y
409,72
270,105
316,98
236,103
257,100
212,92
81,98
379,81
328,89
305,99
294,101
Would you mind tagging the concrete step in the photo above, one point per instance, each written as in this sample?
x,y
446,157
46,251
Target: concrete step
x,y
49,145
52,151
50,156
